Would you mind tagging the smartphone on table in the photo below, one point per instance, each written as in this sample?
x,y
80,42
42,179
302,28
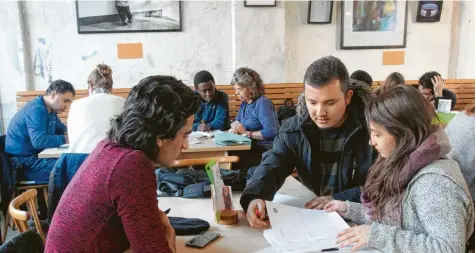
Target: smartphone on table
x,y
202,240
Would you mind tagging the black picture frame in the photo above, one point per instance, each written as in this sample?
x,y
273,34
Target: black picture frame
x,y
431,19
260,5
323,22
404,45
179,29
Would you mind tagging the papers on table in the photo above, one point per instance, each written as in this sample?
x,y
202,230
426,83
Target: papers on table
x,y
199,134
300,230
195,137
289,200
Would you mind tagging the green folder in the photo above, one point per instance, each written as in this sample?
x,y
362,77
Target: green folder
x,y
228,139
443,118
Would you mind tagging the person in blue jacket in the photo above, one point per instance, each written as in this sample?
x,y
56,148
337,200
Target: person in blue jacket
x,y
37,127
213,113
327,142
256,119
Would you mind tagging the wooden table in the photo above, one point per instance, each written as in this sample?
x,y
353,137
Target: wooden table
x,y
206,148
239,238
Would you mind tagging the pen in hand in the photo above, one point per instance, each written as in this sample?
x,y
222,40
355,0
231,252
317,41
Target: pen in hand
x,y
258,214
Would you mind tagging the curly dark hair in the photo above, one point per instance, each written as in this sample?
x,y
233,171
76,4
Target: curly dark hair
x,y
324,70
157,107
61,87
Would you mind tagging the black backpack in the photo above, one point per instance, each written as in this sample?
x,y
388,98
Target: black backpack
x,y
194,183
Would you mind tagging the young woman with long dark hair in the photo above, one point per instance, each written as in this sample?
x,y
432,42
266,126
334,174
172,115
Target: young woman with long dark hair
x,y
414,198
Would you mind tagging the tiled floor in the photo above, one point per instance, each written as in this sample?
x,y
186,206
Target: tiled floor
x,y
11,233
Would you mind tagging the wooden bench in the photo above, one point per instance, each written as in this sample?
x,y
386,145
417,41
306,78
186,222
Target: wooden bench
x,y
463,88
277,93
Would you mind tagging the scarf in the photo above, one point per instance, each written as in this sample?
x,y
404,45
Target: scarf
x,y
434,147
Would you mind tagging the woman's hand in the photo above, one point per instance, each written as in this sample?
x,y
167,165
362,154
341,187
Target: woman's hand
x,y
238,127
359,236
338,206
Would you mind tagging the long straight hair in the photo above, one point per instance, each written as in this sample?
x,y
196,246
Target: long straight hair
x,y
407,116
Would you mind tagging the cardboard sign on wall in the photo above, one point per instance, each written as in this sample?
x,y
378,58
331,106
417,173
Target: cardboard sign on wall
x,y
129,51
393,58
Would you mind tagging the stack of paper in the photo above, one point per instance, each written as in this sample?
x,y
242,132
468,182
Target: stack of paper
x,y
299,230
195,137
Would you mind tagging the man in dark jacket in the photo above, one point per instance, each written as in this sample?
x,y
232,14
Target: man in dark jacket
x,y
327,142
431,86
213,113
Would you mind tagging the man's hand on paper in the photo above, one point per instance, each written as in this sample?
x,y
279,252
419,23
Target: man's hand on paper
x,y
318,202
169,231
338,206
359,236
255,220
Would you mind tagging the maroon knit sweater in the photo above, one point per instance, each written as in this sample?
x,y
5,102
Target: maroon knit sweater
x,y
109,206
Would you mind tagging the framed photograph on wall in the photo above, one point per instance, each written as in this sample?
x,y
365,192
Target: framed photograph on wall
x,y
429,11
128,16
260,3
373,24
320,12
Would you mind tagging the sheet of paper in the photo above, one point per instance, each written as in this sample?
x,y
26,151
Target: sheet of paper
x,y
289,200
310,246
297,224
192,141
200,134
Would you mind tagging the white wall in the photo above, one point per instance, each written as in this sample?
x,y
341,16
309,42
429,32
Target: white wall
x,y
218,36
11,67
204,44
260,40
428,44
465,64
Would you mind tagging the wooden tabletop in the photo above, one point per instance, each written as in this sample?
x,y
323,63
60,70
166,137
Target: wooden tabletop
x,y
239,238
205,145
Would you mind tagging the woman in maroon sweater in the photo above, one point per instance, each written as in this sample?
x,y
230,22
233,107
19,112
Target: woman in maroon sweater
x,y
111,203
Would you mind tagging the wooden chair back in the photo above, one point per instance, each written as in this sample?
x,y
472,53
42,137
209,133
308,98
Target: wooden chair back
x,y
224,161
21,217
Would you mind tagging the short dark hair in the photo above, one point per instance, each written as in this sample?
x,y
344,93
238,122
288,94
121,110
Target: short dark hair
x,y
202,77
61,87
326,69
362,76
425,79
157,107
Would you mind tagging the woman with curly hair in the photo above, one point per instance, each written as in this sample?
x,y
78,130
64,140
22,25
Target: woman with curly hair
x,y
257,117
111,203
414,198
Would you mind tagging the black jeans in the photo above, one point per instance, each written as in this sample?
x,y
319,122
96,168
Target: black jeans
x,y
123,12
249,158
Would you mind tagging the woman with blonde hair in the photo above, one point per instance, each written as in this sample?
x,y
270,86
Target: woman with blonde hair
x,y
414,198
89,118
